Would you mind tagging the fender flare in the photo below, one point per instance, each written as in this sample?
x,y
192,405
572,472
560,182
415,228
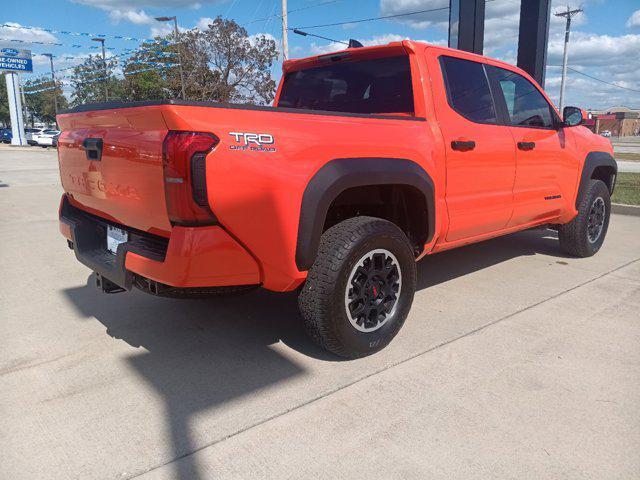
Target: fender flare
x,y
593,161
342,173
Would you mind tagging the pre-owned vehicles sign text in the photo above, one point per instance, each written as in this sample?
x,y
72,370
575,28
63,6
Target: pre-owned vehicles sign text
x,y
15,60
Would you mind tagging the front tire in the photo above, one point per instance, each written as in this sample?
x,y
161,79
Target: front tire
x,y
584,235
360,288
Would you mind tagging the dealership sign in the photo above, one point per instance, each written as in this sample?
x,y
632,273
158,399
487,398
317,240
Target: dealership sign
x,y
15,60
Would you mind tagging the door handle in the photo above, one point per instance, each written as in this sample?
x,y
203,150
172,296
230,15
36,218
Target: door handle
x,y
463,145
526,145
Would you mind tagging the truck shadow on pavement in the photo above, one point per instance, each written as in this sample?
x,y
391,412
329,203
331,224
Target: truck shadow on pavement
x,y
201,354
445,266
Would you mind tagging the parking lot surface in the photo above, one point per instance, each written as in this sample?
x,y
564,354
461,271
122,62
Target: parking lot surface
x,y
515,362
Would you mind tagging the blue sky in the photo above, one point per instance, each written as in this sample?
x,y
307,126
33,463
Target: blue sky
x,y
605,38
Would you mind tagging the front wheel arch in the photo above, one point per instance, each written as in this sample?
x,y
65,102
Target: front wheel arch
x,y
597,166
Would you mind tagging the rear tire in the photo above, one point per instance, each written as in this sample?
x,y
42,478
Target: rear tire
x,y
360,288
584,235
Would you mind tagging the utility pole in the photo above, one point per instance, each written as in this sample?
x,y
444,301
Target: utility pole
x,y
568,14
176,33
285,39
104,66
53,80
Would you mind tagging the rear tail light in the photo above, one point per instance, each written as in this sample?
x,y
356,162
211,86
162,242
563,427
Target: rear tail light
x,y
185,176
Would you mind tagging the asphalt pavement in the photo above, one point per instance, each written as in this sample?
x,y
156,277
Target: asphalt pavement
x,y
515,362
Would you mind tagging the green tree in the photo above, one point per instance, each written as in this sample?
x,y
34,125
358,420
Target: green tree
x,y
222,63
152,82
40,105
241,64
4,102
90,78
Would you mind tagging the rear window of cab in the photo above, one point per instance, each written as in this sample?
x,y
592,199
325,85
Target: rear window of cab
x,y
376,86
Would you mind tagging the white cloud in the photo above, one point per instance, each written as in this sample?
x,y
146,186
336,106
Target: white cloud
x,y
132,11
613,59
129,5
435,13
634,20
597,50
204,23
162,29
63,62
139,17
420,20
268,36
18,32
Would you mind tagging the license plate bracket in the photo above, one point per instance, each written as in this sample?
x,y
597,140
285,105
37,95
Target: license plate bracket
x,y
115,236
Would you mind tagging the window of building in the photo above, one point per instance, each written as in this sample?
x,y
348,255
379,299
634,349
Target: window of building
x,y
468,89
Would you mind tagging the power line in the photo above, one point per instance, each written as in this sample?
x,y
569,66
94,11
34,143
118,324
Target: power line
x,y
383,17
99,79
371,19
291,11
75,34
598,79
116,58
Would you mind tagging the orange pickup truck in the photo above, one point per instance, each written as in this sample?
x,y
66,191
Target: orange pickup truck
x,y
370,159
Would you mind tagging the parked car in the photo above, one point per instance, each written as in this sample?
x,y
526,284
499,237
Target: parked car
x,y
371,159
48,138
605,133
32,133
6,135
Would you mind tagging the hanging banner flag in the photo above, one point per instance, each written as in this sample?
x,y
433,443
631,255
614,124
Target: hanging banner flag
x,y
75,34
15,60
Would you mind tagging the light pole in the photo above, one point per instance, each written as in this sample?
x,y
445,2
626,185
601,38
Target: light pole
x,y
175,31
104,66
568,14
53,80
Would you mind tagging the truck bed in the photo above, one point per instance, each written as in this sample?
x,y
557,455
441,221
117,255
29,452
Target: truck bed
x,y
254,191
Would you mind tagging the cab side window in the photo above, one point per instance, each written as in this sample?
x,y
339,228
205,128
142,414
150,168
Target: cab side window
x,y
468,90
525,104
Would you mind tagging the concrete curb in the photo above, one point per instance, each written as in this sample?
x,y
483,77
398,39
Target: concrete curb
x,y
622,209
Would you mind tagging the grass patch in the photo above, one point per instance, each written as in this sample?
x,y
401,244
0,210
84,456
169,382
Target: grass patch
x,y
627,189
627,156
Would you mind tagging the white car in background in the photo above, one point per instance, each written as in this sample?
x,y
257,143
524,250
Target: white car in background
x,y
47,138
31,133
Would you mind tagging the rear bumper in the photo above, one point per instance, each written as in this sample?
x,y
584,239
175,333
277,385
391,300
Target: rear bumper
x,y
193,257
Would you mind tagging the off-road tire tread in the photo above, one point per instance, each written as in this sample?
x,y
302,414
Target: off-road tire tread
x,y
573,235
315,300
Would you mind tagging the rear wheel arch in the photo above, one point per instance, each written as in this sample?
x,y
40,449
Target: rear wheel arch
x,y
597,166
343,174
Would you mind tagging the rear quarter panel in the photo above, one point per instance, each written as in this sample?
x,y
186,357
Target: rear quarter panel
x,y
257,195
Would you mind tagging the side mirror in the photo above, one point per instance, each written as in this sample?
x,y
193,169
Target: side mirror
x,y
573,116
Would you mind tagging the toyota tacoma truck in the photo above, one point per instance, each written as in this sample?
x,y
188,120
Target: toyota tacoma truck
x,y
370,159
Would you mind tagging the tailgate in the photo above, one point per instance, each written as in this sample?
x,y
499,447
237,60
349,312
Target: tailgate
x,y
111,164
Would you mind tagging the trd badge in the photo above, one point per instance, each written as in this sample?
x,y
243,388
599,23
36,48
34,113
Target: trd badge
x,y
256,142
